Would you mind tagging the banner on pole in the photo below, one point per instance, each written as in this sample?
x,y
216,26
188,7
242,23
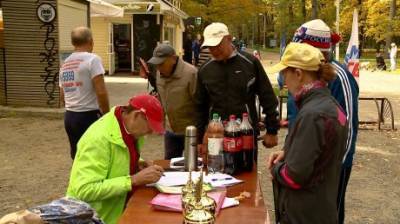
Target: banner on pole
x,y
352,58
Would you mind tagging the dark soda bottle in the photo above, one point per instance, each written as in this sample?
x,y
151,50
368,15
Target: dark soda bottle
x,y
232,147
248,143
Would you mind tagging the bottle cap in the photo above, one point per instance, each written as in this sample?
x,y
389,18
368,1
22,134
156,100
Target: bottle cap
x,y
215,116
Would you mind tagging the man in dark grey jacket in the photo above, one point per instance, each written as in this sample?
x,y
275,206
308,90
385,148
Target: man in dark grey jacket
x,y
229,82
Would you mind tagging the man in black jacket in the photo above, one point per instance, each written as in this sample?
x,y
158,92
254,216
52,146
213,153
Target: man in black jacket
x,y
229,82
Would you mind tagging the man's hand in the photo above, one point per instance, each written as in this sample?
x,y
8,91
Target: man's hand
x,y
145,163
101,93
270,141
144,69
274,158
200,149
148,175
261,126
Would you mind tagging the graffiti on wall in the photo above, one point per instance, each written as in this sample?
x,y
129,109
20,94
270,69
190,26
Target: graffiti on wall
x,y
46,14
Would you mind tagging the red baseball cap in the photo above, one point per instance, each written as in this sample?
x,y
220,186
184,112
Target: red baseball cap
x,y
151,107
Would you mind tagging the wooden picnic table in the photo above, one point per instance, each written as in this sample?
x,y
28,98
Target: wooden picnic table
x,y
251,210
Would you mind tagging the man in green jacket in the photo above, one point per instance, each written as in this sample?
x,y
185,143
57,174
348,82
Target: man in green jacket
x,y
107,168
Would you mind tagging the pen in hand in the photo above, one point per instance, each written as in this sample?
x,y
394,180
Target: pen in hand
x,y
219,179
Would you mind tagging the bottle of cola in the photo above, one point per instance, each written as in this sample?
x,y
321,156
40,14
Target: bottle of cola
x,y
248,143
232,147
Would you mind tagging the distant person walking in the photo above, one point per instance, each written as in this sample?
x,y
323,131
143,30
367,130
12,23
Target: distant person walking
x,y
393,56
257,55
82,87
187,49
196,47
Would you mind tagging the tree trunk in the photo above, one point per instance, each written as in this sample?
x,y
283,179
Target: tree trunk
x,y
392,14
291,13
284,22
303,11
314,9
291,23
259,29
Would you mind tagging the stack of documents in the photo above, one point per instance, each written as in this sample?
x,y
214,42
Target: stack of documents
x,y
173,203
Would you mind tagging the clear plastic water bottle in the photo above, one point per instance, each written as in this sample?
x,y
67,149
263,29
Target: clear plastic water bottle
x,y
215,136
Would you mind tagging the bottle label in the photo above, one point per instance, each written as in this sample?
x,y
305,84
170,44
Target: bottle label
x,y
215,146
233,144
248,142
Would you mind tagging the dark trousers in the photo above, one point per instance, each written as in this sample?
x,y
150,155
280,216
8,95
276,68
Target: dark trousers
x,y
76,123
173,145
344,180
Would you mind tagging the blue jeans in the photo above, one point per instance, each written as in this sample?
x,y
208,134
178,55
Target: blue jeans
x,y
173,145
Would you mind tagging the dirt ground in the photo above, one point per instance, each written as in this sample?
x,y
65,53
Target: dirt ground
x,y
35,163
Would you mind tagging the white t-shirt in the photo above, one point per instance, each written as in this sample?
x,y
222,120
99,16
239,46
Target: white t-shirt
x,y
75,78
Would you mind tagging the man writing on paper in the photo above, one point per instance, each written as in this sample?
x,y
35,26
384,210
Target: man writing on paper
x,y
107,167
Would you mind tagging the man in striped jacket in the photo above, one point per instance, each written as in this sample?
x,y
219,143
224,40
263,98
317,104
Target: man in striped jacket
x,y
344,89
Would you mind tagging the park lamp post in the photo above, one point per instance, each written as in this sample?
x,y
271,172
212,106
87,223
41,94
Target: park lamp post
x,y
337,3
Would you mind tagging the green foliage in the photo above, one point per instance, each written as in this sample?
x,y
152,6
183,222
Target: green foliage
x,y
285,16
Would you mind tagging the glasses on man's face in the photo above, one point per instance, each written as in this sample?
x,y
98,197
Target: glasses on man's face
x,y
143,112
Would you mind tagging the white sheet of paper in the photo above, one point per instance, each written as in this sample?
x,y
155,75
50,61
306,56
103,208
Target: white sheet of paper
x,y
221,179
176,178
180,178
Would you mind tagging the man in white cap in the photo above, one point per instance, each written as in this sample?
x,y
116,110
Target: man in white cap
x,y
228,83
393,55
344,89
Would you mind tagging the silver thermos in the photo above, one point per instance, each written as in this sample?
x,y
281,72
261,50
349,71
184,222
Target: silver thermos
x,y
190,149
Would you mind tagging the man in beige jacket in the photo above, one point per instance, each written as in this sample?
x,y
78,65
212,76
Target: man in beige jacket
x,y
176,85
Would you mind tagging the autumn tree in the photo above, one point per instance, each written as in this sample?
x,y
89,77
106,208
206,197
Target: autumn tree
x,y
379,21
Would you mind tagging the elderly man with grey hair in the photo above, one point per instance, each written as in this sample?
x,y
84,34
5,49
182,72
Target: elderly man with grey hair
x,y
176,85
82,87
